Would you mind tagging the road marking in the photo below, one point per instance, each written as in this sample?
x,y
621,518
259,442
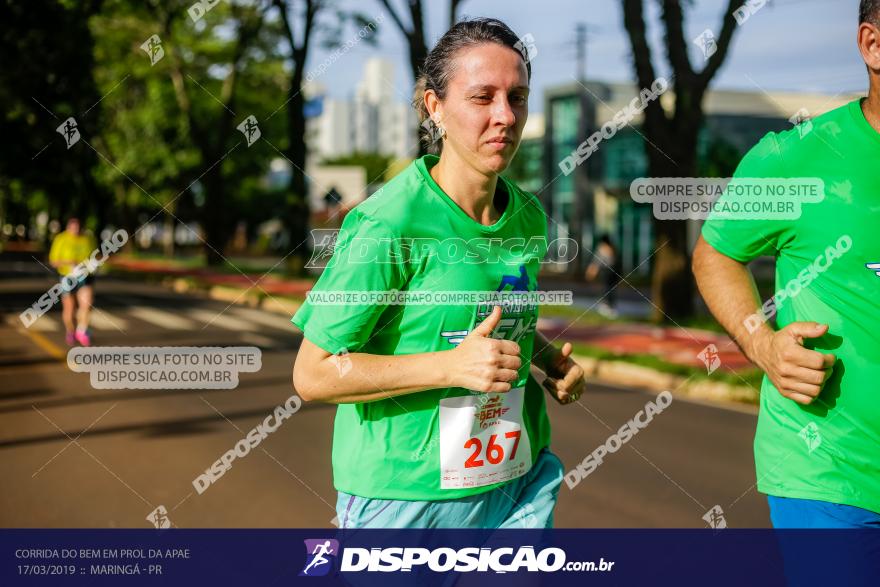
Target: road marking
x,y
38,339
43,324
263,342
103,320
161,318
269,319
222,320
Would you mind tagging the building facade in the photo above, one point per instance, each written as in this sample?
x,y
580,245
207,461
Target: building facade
x,y
593,199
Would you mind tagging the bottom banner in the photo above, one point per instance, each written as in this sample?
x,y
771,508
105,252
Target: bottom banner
x,y
439,557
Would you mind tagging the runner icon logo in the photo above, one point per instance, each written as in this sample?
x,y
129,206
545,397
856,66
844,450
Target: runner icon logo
x,y
320,555
710,358
520,283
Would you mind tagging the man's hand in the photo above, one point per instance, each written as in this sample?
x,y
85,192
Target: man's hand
x,y
565,378
798,373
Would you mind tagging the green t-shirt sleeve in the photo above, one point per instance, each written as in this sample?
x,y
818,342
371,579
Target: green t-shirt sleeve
x,y
368,257
744,239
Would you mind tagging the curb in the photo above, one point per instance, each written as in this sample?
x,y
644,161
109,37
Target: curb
x,y
613,372
628,374
222,293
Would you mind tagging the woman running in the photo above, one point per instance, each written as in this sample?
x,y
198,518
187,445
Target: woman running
x,y
68,249
438,422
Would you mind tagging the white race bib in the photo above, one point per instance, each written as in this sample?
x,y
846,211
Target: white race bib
x,y
483,439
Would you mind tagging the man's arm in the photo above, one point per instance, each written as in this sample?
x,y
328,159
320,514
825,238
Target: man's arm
x,y
730,292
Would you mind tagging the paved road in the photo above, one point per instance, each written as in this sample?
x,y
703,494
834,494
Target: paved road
x,y
73,456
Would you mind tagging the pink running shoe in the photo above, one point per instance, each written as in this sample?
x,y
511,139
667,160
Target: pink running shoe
x,y
70,339
83,338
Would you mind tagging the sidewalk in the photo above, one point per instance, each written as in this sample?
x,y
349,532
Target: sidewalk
x,y
269,284
671,344
680,346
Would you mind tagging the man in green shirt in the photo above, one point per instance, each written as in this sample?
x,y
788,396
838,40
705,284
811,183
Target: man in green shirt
x,y
817,445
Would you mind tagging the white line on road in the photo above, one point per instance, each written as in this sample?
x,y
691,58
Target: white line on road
x,y
270,319
222,320
104,320
258,340
43,324
161,318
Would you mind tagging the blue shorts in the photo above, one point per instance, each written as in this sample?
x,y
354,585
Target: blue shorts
x,y
86,280
852,561
525,502
787,512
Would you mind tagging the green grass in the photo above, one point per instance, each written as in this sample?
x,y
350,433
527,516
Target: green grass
x,y
751,377
577,316
234,266
580,316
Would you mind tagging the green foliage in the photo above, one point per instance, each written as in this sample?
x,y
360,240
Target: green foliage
x,y
375,164
46,77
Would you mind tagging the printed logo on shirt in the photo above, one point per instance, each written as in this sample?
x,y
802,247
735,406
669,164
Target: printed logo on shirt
x,y
518,319
490,412
875,267
518,283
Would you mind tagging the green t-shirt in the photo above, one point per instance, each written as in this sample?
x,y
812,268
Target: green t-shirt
x,y
830,450
391,448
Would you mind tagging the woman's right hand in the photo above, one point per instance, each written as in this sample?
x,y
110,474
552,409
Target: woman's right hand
x,y
481,363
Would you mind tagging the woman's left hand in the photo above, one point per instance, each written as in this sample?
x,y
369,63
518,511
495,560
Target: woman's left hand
x,y
565,378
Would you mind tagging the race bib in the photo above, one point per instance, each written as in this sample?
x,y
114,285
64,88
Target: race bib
x,y
483,439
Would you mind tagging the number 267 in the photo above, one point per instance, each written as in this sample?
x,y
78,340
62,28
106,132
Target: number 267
x,y
494,452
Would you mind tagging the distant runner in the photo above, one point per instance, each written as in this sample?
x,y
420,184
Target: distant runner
x,y
69,248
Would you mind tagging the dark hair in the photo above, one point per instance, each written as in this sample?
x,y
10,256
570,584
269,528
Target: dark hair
x,y
869,11
438,67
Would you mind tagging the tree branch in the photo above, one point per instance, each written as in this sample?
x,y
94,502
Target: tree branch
x,y
281,5
396,17
676,46
634,23
248,29
723,43
418,30
453,11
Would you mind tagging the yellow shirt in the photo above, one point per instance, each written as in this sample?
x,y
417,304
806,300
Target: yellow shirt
x,y
69,250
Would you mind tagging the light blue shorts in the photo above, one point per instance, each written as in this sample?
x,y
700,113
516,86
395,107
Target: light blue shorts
x,y
525,502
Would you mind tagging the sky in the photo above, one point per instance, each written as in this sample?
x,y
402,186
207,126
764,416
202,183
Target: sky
x,y
786,45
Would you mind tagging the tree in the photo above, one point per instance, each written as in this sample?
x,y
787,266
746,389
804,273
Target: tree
x,y
672,138
375,164
299,41
46,48
211,134
415,35
297,211
167,139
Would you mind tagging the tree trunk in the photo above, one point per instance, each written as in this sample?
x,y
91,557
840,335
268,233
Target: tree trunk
x,y
214,211
297,209
672,282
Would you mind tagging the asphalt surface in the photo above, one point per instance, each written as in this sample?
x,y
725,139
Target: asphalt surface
x,y
75,456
